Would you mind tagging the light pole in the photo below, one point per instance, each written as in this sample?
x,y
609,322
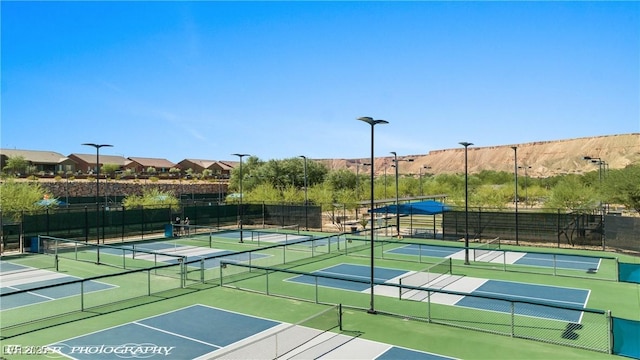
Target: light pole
x,y
598,161
385,180
97,147
515,170
423,167
306,199
358,186
373,123
466,203
526,194
395,161
240,209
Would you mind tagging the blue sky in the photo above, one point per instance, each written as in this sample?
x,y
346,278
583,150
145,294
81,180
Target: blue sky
x,y
204,80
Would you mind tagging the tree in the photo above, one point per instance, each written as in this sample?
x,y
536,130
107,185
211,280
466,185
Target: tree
x,y
19,196
152,198
571,194
110,169
493,196
623,187
175,172
16,165
341,179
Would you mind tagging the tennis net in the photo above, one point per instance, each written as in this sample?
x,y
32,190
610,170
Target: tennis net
x,y
288,233
285,339
492,246
426,276
124,257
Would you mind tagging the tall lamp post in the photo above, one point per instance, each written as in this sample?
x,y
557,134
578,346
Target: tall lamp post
x,y
515,170
358,186
598,161
306,198
422,167
97,147
466,203
526,192
395,161
373,123
240,209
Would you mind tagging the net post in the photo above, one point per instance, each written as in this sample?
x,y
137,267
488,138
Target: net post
x,y
315,278
183,272
340,316
513,319
429,305
202,270
610,329
81,295
504,260
55,258
267,282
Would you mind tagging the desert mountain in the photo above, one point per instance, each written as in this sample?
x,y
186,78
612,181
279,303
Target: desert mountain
x,y
541,159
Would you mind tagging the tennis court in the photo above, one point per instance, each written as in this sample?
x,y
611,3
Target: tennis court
x,y
540,294
199,331
349,271
497,255
16,277
292,271
210,256
275,235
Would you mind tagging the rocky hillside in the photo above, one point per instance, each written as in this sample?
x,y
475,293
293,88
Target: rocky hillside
x,y
542,159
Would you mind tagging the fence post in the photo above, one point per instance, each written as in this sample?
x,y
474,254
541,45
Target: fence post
x,y
428,305
558,227
86,224
122,223
513,319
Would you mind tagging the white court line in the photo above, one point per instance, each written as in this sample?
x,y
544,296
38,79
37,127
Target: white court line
x,y
33,276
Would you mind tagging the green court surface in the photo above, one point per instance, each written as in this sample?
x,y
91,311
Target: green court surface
x,y
291,302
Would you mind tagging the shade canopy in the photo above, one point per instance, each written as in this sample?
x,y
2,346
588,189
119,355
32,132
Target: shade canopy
x,y
429,207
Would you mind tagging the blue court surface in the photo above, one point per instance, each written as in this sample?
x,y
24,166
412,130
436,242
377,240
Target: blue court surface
x,y
13,280
559,261
544,294
193,254
523,293
426,250
200,331
266,236
349,271
571,262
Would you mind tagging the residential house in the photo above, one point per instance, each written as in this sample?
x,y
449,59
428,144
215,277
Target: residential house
x,y
40,162
196,165
223,169
86,163
141,165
